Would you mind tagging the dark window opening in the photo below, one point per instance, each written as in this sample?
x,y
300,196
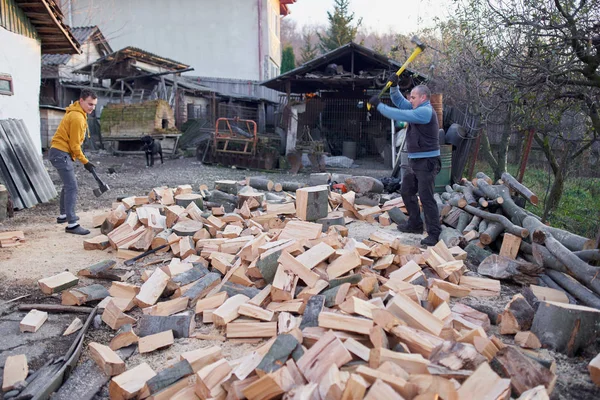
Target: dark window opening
x,y
165,123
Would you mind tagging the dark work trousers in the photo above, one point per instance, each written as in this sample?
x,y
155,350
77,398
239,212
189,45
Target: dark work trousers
x,y
66,170
420,178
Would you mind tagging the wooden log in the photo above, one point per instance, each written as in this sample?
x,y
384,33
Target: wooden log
x,y
509,226
571,241
499,267
181,324
450,236
260,183
219,197
527,340
99,242
233,289
517,186
292,186
510,246
184,200
482,175
523,372
457,200
228,311
168,377
574,288
101,270
364,184
467,192
486,384
57,283
413,314
152,289
345,322
463,221
227,186
476,254
397,215
566,328
187,227
130,383
491,233
108,361
584,272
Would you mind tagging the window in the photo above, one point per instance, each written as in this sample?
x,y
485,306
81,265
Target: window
x,y
6,85
275,21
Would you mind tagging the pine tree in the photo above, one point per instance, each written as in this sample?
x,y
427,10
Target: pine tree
x,y
340,30
309,50
288,59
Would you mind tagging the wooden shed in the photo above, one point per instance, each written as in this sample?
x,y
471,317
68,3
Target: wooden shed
x,y
50,118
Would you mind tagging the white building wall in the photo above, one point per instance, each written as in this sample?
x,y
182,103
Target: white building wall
x,y
218,38
89,53
20,57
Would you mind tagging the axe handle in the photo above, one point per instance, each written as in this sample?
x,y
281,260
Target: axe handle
x,y
96,177
388,85
144,254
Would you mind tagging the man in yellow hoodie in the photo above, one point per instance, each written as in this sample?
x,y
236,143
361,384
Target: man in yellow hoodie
x,y
64,150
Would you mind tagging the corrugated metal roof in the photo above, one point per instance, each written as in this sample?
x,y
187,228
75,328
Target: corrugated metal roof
x,y
81,33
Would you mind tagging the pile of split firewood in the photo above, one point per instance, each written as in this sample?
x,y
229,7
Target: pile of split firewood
x,y
342,319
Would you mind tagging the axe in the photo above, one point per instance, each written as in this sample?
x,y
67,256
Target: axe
x,y
102,187
418,50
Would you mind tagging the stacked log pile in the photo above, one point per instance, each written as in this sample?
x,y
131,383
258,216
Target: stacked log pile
x,y
340,318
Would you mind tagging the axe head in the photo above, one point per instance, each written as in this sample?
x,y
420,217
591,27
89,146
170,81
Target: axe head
x,y
417,42
103,188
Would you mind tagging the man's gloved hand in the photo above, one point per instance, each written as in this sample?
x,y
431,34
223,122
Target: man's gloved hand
x,y
89,166
394,79
374,101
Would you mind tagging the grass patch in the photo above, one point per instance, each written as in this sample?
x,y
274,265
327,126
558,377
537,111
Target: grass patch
x,y
579,207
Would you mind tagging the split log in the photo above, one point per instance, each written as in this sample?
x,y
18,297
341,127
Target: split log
x,y
364,184
569,240
82,295
523,372
57,283
101,270
517,316
233,289
314,306
509,226
457,356
517,186
451,219
333,218
491,233
109,362
545,279
312,203
15,371
169,376
278,353
451,237
33,321
336,295
367,199
181,324
260,183
124,337
543,257
521,272
202,287
581,270
594,368
577,290
566,328
130,383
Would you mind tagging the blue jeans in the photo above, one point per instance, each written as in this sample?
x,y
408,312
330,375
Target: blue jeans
x,y
66,170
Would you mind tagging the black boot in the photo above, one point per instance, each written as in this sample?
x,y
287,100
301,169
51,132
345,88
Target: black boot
x,y
408,228
430,241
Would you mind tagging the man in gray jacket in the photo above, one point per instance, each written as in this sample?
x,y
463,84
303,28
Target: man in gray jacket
x,y
422,142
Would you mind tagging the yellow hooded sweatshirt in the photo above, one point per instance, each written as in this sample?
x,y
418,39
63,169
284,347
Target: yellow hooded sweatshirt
x,y
71,132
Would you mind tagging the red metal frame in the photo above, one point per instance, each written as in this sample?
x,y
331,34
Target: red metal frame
x,y
225,135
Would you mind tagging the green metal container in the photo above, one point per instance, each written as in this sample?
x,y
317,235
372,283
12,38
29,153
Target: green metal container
x,y
443,177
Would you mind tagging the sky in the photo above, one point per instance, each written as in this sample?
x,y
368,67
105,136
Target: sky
x,y
400,16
